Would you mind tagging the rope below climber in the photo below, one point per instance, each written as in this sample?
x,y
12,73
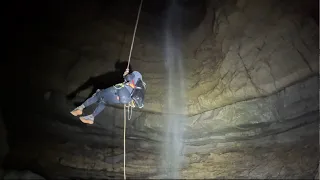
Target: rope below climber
x,y
124,111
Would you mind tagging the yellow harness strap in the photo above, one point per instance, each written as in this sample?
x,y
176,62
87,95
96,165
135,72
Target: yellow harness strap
x,y
119,85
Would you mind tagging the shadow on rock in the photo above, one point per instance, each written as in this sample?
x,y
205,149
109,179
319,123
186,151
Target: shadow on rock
x,y
102,81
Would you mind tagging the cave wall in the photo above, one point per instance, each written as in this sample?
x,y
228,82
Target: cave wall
x,y
252,85
259,138
3,143
256,49
241,50
90,38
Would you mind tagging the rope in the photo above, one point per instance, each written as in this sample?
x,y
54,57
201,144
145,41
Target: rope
x,y
130,105
134,34
124,142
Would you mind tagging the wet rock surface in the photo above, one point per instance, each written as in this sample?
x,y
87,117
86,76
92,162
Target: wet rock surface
x,y
252,99
278,146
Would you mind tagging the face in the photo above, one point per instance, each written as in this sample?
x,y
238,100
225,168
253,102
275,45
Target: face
x,y
131,84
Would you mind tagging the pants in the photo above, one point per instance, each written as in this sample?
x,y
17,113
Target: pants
x,y
108,96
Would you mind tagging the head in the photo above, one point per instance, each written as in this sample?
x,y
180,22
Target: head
x,y
133,78
135,75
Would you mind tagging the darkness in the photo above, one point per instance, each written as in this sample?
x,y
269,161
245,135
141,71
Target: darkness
x,y
30,25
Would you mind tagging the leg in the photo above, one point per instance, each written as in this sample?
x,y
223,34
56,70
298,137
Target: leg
x,y
93,99
106,96
90,118
98,109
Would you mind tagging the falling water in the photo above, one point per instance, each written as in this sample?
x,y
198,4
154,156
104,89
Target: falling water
x,y
173,147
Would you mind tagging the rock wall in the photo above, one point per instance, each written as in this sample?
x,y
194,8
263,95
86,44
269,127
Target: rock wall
x,y
271,137
252,97
87,46
271,145
256,49
3,143
22,175
241,50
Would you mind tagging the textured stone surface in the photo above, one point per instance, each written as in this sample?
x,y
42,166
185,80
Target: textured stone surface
x,y
252,98
287,104
259,138
236,58
252,54
21,175
286,155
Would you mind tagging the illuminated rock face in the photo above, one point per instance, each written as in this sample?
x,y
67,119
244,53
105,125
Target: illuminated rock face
x,y
251,75
256,50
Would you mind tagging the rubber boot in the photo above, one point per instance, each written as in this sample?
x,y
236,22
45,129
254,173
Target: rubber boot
x,y
77,111
87,119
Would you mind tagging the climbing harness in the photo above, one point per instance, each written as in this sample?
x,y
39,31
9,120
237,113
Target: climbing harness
x,y
130,106
131,103
121,85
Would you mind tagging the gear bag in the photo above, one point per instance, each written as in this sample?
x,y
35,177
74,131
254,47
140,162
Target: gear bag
x,y
138,92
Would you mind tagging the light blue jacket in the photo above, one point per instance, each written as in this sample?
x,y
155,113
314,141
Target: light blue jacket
x,y
125,93
134,76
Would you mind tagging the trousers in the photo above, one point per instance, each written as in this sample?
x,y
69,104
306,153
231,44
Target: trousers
x,y
106,96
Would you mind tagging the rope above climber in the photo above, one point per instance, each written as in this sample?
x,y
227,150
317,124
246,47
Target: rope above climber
x,y
130,92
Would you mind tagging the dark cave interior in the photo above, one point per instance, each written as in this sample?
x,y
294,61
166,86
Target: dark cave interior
x,y
32,125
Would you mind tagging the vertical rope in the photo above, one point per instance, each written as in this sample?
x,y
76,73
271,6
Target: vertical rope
x,y
124,107
124,142
134,34
130,112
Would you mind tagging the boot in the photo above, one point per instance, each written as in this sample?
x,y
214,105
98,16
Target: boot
x,y
77,111
87,119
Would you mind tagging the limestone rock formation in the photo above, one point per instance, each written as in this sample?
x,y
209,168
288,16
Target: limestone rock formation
x,y
22,175
249,70
255,49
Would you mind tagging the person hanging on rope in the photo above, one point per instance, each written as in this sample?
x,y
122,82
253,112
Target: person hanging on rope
x,y
131,91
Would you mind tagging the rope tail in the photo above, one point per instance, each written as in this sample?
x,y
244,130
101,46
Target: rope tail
x,y
130,105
